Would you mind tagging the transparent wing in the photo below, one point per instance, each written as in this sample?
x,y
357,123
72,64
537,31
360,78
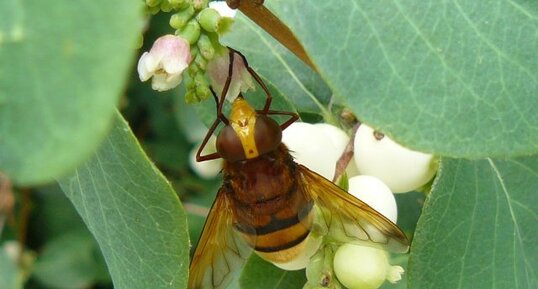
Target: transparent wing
x,y
346,218
221,251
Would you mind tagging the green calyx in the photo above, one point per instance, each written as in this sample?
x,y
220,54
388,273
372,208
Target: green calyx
x,y
190,32
153,3
167,5
319,272
206,47
180,4
181,18
200,61
200,4
209,19
212,21
197,84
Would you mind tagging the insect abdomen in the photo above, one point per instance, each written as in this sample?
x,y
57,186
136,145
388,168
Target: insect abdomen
x,y
281,238
273,216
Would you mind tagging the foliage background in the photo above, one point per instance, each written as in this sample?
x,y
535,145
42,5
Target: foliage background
x,y
454,78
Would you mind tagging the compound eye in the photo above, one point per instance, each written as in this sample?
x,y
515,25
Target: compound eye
x,y
229,145
267,134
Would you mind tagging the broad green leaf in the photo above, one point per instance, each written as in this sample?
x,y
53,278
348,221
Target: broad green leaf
x,y
456,78
296,82
133,213
478,227
62,69
68,262
259,274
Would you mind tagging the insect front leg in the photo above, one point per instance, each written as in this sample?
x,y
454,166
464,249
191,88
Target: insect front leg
x,y
293,117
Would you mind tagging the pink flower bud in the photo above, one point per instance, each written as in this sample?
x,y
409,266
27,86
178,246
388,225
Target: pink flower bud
x,y
167,59
217,70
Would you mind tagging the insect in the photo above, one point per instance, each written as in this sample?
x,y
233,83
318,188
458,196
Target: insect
x,y
267,202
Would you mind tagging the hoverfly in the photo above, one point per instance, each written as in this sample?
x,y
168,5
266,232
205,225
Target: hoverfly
x,y
267,202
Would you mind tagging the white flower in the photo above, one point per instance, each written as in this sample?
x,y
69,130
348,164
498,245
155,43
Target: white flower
x,y
217,70
400,168
167,59
223,8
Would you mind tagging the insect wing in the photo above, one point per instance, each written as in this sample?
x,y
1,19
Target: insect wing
x,y
221,251
347,218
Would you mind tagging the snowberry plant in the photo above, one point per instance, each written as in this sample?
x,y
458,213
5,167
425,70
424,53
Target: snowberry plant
x,y
446,146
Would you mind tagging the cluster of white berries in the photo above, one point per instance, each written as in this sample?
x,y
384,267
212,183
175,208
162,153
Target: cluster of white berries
x,y
380,167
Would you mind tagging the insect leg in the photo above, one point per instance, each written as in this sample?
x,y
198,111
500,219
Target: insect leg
x,y
220,115
293,117
199,157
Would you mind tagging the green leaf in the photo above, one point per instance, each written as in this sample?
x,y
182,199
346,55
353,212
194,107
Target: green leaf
x,y
133,213
455,78
68,262
259,274
62,70
478,227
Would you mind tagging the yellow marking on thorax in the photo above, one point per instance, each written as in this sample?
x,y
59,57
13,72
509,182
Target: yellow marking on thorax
x,y
243,121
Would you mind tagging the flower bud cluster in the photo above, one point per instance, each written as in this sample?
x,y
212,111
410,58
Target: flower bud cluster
x,y
155,6
199,24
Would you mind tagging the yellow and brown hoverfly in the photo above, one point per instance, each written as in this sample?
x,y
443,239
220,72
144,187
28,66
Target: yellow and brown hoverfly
x,y
267,202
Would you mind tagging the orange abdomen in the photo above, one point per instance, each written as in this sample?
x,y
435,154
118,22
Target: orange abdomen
x,y
269,208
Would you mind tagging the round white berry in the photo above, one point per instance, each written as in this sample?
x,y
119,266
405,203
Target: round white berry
x,y
400,168
206,169
311,146
360,267
340,141
376,194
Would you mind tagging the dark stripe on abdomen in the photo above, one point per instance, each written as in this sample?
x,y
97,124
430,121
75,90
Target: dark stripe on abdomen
x,y
277,224
285,246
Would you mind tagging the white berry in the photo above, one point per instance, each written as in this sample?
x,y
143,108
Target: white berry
x,y
206,169
400,168
376,194
311,146
340,141
363,267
